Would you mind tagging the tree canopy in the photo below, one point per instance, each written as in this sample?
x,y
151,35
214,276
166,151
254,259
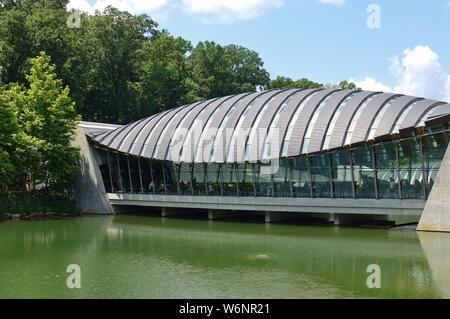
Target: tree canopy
x,y
35,139
121,67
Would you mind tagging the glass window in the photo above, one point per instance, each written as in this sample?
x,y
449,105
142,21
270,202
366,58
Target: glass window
x,y
282,178
146,176
198,179
363,172
124,178
213,179
301,177
134,173
229,180
320,176
185,178
342,174
264,185
171,179
411,174
387,171
245,179
158,177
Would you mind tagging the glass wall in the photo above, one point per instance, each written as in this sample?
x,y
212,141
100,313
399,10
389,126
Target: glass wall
x,y
341,172
411,169
320,176
301,177
213,180
401,169
363,172
387,171
282,175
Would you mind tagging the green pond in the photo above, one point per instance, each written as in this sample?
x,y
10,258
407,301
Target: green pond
x,y
150,257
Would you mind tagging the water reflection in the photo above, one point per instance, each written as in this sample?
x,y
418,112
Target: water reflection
x,y
144,257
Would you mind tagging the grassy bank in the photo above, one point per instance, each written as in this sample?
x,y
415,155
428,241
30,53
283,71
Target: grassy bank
x,y
36,204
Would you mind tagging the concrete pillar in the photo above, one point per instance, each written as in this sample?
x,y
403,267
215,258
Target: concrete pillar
x,y
90,193
271,217
219,214
167,212
436,215
349,219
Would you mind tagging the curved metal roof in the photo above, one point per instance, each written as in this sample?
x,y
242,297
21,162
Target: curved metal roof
x,y
271,124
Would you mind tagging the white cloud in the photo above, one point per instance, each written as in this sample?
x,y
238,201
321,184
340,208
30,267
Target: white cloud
x,y
418,72
230,10
82,5
132,6
337,3
371,84
222,11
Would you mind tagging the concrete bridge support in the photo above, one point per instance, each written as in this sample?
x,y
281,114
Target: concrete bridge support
x,y
219,214
436,215
270,217
351,219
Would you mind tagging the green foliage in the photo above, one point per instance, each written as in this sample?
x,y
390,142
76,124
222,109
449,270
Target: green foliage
x,y
120,67
40,121
163,80
36,202
283,82
223,70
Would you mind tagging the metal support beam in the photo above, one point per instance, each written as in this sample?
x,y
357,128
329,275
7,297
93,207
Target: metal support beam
x,y
151,174
108,154
352,173
424,173
330,172
397,160
120,174
129,174
374,166
140,175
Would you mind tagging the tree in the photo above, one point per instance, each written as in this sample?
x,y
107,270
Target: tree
x,y
348,85
164,81
104,61
223,70
9,130
38,122
283,82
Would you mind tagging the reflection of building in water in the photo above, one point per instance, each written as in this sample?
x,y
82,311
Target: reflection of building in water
x,y
436,247
306,151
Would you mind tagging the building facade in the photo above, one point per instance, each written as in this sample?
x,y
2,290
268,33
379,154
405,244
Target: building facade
x,y
322,146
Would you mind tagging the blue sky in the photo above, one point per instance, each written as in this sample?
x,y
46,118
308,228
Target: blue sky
x,y
324,40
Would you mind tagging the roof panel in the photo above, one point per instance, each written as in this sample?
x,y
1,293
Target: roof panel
x,y
368,115
417,112
345,117
325,116
215,122
303,114
265,118
388,120
170,121
192,129
301,124
224,137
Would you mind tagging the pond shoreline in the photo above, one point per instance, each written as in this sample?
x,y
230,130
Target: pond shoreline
x,y
34,216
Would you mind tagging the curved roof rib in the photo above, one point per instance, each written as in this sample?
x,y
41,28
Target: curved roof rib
x,y
257,126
